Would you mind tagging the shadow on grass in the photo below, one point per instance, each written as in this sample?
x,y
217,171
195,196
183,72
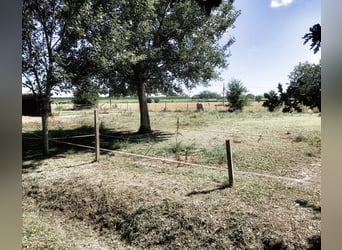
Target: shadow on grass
x,y
109,139
314,242
305,204
221,187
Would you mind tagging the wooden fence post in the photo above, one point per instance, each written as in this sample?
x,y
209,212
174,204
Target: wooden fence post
x,y
230,164
177,144
97,135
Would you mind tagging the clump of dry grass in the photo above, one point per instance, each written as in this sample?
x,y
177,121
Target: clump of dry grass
x,y
166,224
170,208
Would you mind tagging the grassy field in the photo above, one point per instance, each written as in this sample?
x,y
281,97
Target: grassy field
x,y
133,202
177,105
167,99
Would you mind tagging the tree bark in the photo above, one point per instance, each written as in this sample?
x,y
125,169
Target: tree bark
x,y
145,126
45,114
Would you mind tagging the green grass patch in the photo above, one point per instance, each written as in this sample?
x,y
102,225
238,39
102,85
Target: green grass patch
x,y
180,148
214,155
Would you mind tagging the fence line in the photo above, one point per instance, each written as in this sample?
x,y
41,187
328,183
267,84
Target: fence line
x,y
118,137
59,138
111,136
230,133
128,153
140,155
73,144
32,138
258,136
191,164
37,136
235,133
76,136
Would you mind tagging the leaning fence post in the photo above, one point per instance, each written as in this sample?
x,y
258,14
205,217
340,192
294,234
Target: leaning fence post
x,y
230,164
97,135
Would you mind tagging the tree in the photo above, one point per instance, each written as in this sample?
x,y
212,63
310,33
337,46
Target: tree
x,y
305,86
205,5
44,26
86,93
208,5
258,98
304,89
148,46
273,101
236,95
315,36
250,96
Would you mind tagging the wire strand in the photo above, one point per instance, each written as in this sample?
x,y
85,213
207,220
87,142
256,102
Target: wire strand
x,y
191,164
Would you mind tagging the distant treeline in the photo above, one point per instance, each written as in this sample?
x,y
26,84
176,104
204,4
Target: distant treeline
x,y
155,99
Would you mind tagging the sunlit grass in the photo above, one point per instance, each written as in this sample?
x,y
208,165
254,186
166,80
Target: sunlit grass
x,y
128,202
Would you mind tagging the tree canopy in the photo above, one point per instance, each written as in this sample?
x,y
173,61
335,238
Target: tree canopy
x,y
151,46
273,101
44,27
206,94
315,36
133,47
305,85
304,89
86,94
236,94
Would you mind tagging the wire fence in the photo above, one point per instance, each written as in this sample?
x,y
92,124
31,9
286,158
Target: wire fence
x,y
182,163
167,160
162,105
230,133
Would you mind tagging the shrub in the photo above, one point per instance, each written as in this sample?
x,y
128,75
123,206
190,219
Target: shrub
x,y
236,95
258,98
86,93
272,102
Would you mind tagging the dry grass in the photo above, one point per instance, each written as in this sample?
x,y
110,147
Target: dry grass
x,y
70,202
189,106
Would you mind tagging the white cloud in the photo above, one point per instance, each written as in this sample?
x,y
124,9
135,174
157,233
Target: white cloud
x,y
280,3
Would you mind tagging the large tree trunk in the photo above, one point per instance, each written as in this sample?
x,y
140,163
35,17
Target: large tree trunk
x,y
145,126
45,115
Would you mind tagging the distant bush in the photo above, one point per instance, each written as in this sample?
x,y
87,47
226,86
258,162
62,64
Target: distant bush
x,y
250,96
258,98
206,95
86,94
236,95
272,101
149,100
156,100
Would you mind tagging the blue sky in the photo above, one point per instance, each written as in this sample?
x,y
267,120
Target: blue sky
x,y
268,43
